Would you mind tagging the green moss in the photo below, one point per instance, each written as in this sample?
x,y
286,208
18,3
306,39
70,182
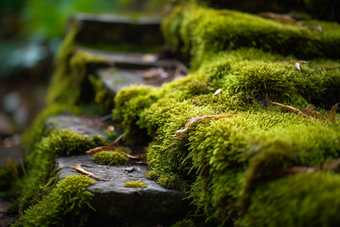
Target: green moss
x,y
69,196
41,159
34,133
109,158
65,85
136,184
8,175
102,96
205,30
219,161
300,200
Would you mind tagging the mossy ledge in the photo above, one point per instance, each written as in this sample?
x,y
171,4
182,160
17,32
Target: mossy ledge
x,y
221,163
205,30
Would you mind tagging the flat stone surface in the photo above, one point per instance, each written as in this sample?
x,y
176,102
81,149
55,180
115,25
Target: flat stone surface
x,y
115,204
112,178
78,124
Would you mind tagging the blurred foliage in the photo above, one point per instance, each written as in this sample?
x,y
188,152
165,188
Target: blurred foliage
x,y
47,19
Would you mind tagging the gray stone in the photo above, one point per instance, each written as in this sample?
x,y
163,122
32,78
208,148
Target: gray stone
x,y
115,204
108,29
78,124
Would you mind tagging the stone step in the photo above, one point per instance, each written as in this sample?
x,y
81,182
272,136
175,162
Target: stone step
x,y
110,29
115,204
135,68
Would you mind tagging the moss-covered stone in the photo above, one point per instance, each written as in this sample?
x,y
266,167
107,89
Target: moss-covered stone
x,y
109,158
221,163
66,83
204,30
41,159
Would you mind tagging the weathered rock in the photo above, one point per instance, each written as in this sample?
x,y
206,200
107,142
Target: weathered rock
x,y
78,124
135,68
112,29
115,204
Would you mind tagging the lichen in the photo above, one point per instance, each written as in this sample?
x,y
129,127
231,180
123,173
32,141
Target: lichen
x,y
109,158
69,196
135,184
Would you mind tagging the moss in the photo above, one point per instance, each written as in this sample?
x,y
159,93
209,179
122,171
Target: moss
x,y
109,158
102,96
220,162
69,196
34,133
136,184
8,175
41,159
300,200
205,30
65,86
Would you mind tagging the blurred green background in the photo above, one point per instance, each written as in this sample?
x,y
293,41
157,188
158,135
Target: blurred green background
x,y
30,34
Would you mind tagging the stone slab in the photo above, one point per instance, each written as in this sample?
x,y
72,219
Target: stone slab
x,y
78,124
115,204
114,29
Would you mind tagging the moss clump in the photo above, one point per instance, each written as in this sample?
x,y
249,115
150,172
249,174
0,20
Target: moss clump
x,y
300,200
136,184
69,196
109,158
41,159
220,162
204,30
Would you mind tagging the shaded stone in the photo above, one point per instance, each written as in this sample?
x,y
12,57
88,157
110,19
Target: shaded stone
x,y
78,124
115,204
131,60
115,29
